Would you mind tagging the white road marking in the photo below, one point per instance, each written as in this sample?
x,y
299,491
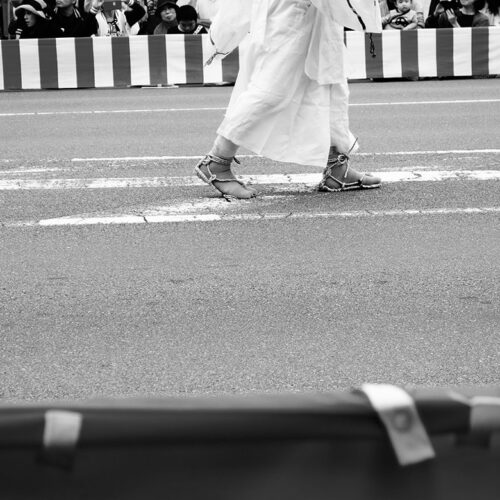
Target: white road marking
x,y
416,103
214,217
198,157
197,110
151,158
142,159
301,180
109,111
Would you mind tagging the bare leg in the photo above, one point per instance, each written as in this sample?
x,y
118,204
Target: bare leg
x,y
215,169
224,147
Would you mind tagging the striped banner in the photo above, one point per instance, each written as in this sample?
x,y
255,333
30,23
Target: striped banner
x,y
424,53
178,59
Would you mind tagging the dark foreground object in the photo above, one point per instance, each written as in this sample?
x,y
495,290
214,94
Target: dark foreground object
x,y
282,447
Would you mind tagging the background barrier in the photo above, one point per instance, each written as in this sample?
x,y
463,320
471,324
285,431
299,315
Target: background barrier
x,y
425,53
288,447
178,59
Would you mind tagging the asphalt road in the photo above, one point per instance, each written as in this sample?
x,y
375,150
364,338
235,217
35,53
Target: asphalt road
x,y
307,291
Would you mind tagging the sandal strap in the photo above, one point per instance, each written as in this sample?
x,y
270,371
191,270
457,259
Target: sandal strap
x,y
334,162
225,162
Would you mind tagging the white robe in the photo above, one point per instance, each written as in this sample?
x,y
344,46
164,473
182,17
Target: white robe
x,y
290,101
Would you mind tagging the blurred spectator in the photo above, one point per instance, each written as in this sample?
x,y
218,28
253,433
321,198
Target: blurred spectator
x,y
453,14
16,22
3,34
36,24
417,5
119,22
136,28
74,22
492,11
206,10
168,12
402,18
154,19
188,22
435,10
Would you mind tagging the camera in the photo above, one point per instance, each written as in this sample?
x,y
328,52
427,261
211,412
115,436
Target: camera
x,y
112,5
449,4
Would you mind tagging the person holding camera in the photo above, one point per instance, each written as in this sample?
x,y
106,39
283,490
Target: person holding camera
x,y
119,18
74,22
402,18
456,14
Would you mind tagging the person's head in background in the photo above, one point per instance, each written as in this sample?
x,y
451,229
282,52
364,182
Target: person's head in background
x,y
475,5
31,11
403,6
187,18
168,12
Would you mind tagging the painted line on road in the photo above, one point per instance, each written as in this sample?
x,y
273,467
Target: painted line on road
x,y
213,217
184,110
199,157
305,180
416,103
152,158
248,156
109,111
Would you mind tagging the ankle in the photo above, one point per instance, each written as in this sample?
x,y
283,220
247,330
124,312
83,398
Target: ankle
x,y
223,148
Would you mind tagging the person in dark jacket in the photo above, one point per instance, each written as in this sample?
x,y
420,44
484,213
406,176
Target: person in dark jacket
x,y
466,14
188,22
119,22
155,17
74,22
35,23
167,12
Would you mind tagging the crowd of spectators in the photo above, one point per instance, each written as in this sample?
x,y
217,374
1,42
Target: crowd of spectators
x,y
86,18
411,14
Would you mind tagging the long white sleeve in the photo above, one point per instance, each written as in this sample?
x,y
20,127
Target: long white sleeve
x,y
230,25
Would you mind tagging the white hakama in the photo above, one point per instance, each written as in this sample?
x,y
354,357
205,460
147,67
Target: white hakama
x,y
290,100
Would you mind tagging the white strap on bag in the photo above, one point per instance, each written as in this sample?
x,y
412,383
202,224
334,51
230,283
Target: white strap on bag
x,y
398,413
60,436
62,429
485,414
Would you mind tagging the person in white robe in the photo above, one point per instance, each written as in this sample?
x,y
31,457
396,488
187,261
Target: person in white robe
x,y
290,100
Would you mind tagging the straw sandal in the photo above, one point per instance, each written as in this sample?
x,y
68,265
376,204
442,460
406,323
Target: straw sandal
x,y
223,174
339,176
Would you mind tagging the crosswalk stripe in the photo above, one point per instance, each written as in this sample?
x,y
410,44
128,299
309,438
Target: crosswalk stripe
x,y
279,179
